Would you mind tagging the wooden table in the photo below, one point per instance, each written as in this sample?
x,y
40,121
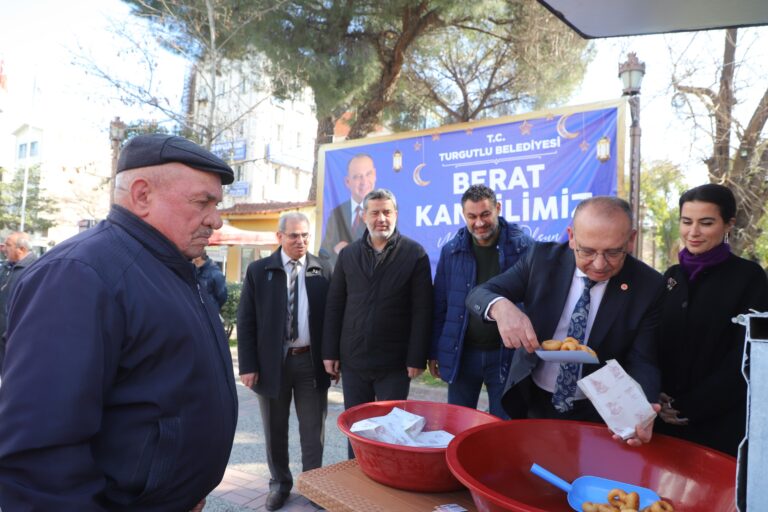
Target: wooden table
x,y
343,487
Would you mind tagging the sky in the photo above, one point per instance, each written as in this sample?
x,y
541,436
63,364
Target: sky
x,y
40,40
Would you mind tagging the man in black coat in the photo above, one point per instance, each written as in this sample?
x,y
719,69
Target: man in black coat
x,y
279,329
622,321
379,313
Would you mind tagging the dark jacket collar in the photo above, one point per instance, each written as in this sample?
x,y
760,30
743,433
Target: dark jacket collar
x,y
153,241
506,233
275,262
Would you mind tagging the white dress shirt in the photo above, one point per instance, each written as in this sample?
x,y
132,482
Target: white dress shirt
x,y
303,339
545,373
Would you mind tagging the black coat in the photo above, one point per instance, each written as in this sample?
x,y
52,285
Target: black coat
x,y
625,328
380,318
261,318
701,349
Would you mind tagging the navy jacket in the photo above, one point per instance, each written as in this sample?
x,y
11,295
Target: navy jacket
x,y
456,275
625,328
118,392
261,321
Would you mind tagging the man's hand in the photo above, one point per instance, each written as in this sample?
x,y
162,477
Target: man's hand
x,y
248,380
668,414
199,507
414,372
433,369
332,368
339,246
643,434
514,326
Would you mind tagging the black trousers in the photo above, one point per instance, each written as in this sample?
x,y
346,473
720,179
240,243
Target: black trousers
x,y
311,403
363,386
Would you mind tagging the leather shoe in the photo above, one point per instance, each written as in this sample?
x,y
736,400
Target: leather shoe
x,y
276,499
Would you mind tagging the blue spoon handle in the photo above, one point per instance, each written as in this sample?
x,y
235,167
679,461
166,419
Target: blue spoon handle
x,y
550,477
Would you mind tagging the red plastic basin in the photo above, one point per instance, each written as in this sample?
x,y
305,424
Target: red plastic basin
x,y
406,467
493,461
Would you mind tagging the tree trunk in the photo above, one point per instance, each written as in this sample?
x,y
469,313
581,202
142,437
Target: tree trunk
x,y
324,135
415,21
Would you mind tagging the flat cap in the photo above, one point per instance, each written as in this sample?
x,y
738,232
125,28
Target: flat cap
x,y
158,149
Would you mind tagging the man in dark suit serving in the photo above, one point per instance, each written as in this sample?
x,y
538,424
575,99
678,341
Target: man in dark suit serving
x,y
590,288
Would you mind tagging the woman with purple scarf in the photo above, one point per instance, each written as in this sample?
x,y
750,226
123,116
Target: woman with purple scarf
x,y
700,351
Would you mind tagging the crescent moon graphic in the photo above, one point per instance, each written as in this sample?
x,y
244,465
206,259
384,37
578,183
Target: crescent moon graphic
x,y
562,130
417,176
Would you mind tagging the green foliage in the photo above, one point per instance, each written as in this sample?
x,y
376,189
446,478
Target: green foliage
x,y
661,185
229,310
519,58
39,210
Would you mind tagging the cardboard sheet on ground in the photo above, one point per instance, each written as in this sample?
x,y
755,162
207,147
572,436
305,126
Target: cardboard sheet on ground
x,y
403,428
567,356
618,398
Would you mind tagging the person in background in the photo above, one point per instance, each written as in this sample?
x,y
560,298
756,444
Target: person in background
x,y
379,310
704,394
118,392
467,352
279,333
211,279
345,222
590,288
18,255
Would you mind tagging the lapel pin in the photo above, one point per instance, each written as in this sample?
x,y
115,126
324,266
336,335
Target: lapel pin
x,y
624,287
671,283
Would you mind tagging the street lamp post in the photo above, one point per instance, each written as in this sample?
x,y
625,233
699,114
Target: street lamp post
x,y
116,136
631,73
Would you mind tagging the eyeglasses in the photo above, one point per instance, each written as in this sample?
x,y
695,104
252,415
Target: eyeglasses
x,y
611,255
295,236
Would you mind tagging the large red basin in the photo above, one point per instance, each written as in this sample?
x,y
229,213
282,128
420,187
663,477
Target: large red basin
x,y
493,461
406,467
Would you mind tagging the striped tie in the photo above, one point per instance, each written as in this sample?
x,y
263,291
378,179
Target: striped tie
x,y
292,327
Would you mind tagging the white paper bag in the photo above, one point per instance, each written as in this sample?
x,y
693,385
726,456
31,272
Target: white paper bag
x,y
403,428
618,398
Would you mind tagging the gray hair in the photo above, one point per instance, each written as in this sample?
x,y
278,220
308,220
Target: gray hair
x,y
21,239
379,194
284,218
606,205
159,175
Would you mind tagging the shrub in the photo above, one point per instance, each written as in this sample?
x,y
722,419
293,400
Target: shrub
x,y
229,310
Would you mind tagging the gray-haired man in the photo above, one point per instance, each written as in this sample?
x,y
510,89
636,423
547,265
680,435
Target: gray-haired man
x,y
279,330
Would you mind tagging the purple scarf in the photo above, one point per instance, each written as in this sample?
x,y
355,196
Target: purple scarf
x,y
693,264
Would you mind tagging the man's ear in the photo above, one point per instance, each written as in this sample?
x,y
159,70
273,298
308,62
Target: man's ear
x,y
141,197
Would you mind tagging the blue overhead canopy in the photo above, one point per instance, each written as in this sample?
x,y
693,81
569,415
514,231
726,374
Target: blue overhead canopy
x,y
612,18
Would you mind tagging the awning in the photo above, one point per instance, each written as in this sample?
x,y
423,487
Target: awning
x,y
610,18
230,235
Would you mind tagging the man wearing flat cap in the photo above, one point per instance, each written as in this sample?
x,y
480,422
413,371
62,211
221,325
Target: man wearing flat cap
x,y
117,389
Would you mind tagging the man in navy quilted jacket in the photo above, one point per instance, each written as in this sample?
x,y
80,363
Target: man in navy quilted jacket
x,y
467,352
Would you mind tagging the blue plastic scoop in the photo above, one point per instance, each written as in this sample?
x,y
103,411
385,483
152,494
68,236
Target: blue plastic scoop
x,y
593,488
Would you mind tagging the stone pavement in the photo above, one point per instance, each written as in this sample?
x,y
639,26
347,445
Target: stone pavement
x,y
246,482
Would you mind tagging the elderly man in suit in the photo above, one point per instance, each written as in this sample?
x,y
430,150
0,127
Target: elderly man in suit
x,y
346,223
590,288
279,332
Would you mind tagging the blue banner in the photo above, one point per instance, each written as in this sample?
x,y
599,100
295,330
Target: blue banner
x,y
541,167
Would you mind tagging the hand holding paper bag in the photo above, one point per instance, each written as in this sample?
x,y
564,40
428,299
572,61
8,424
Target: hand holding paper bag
x,y
621,403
